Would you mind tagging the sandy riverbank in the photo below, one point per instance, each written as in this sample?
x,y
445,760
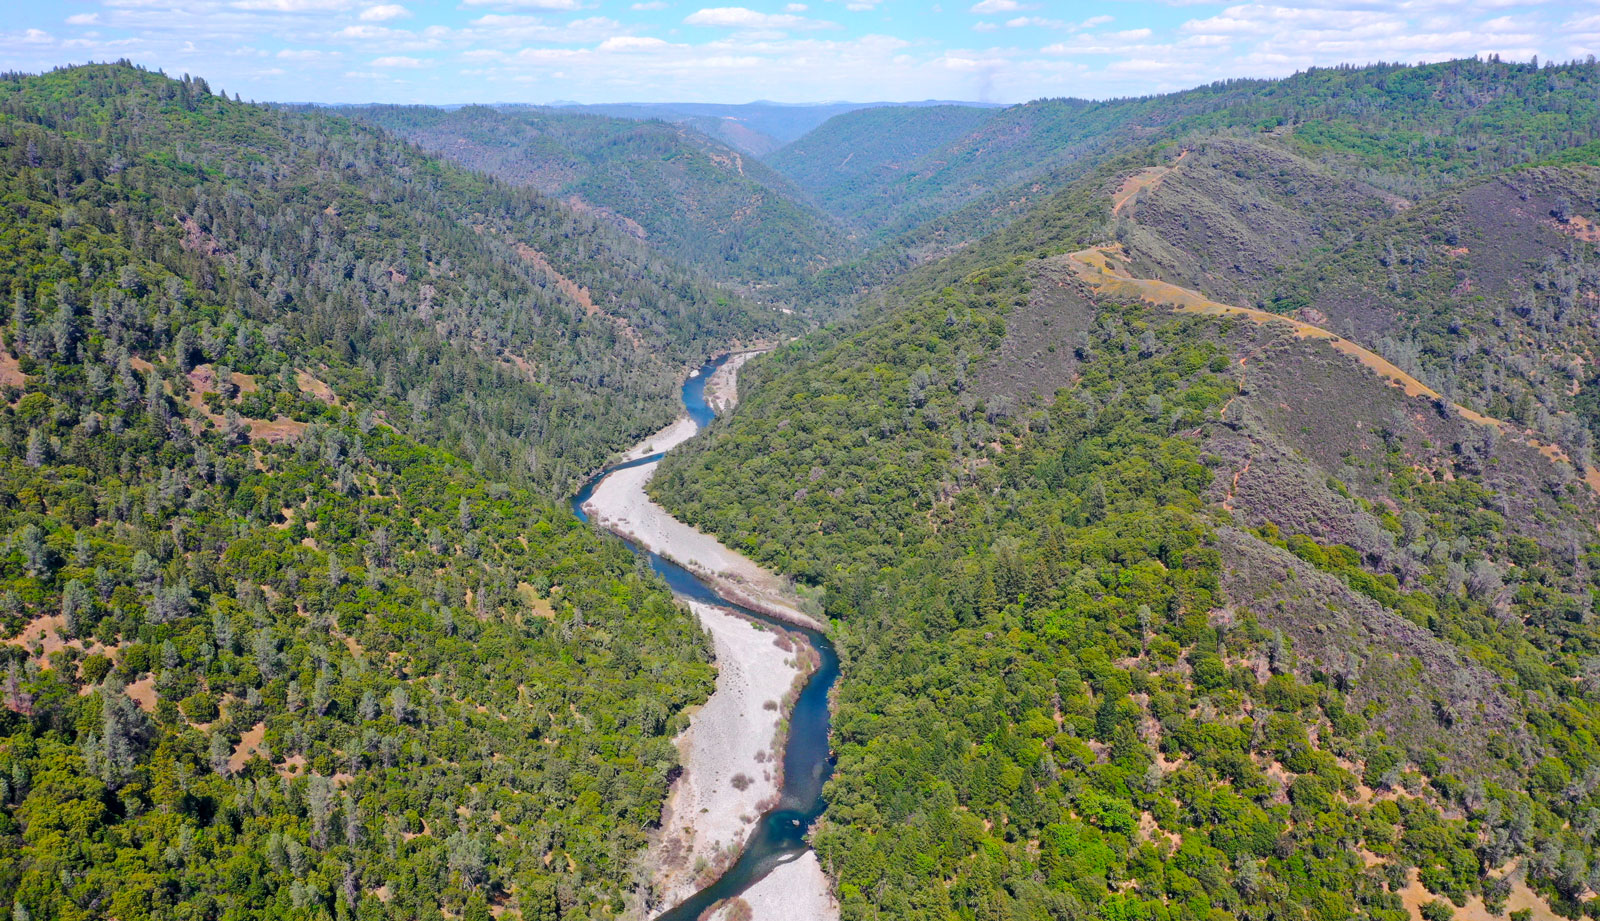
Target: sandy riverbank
x,y
731,762
681,430
620,505
731,769
793,891
722,390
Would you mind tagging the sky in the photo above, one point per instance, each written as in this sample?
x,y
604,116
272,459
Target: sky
x,y
540,51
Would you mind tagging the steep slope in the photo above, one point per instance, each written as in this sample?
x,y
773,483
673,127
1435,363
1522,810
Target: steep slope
x,y
1000,151
1154,605
534,339
263,654
1485,292
1227,216
855,151
693,199
1406,131
756,128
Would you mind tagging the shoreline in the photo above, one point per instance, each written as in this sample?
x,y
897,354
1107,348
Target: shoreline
x,y
732,752
621,505
675,433
796,889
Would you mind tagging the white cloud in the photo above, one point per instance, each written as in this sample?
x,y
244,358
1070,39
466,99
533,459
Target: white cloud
x,y
371,37
306,54
291,6
627,43
517,29
556,5
384,12
998,6
738,17
1034,22
542,49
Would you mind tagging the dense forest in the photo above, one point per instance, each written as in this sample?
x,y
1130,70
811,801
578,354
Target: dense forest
x,y
1199,488
531,339
1151,614
292,628
695,200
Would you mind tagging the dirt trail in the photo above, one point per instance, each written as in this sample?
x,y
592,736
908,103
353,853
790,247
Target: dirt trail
x,y
1098,266
1102,268
1147,178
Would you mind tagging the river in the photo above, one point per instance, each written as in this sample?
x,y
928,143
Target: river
x,y
779,835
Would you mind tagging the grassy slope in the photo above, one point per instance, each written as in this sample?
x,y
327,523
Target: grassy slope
x,y
1466,288
1407,131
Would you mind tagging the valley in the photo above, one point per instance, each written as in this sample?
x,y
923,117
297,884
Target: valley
x,y
739,768
1167,508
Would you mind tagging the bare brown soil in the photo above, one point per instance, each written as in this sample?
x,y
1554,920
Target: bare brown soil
x,y
249,743
10,371
575,291
143,693
1147,178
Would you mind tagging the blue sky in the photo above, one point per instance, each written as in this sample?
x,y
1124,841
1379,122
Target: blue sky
x,y
440,51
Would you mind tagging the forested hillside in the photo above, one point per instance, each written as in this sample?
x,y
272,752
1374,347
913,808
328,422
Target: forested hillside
x,y
693,199
756,128
1410,131
535,339
1154,607
288,625
854,151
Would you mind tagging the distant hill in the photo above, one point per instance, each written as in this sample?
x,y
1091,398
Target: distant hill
x,y
690,197
1457,120
842,161
757,128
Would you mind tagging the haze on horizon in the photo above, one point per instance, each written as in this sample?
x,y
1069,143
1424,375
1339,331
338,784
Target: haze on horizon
x,y
607,51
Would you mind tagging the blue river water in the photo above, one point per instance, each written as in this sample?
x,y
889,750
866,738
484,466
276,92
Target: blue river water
x,y
779,835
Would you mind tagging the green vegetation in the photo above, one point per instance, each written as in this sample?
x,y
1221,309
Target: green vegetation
x,y
531,340
1463,288
1410,131
1142,614
693,199
854,151
1146,615
266,653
